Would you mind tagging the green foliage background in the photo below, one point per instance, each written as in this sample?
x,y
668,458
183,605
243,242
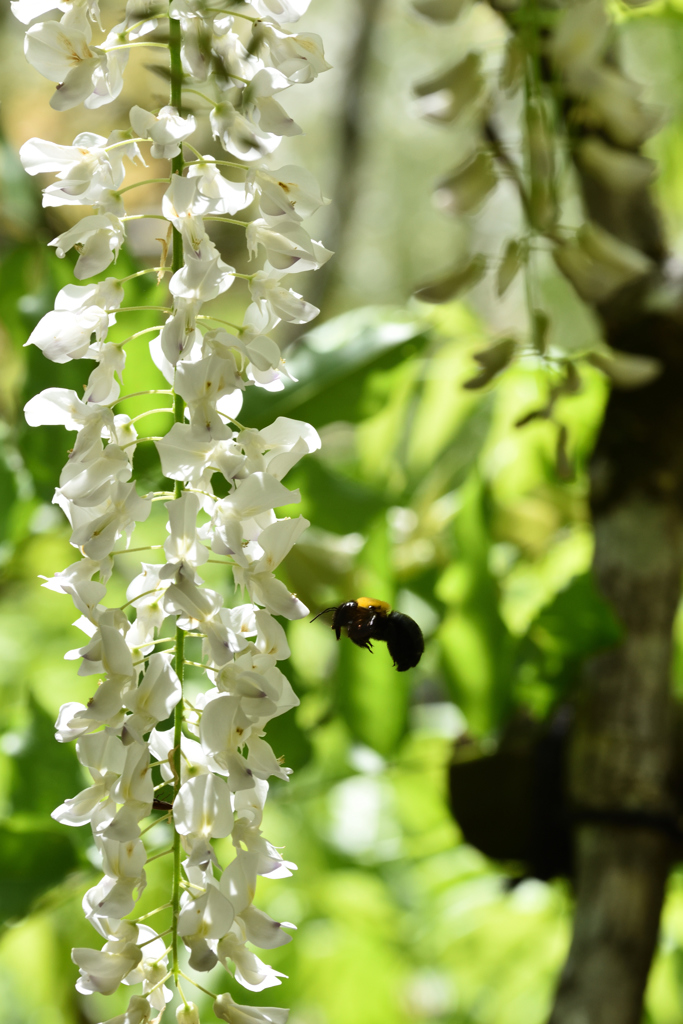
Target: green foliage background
x,y
426,495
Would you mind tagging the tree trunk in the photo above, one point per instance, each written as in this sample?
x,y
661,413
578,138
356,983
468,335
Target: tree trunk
x,y
621,878
621,761
622,757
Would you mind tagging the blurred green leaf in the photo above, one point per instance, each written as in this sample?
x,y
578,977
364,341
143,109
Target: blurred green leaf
x,y
454,463
31,863
578,622
331,364
334,501
289,741
478,649
45,772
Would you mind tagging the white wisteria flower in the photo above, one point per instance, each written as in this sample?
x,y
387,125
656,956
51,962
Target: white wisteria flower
x,y
89,171
98,239
62,51
299,57
227,1009
289,248
284,12
167,130
207,774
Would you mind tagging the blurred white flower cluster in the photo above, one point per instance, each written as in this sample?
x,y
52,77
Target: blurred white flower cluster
x,y
215,761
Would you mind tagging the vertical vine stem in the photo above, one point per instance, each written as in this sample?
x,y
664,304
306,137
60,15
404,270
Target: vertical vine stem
x,y
177,739
175,41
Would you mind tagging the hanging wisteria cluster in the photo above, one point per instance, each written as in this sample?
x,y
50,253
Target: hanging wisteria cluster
x,y
214,763
579,133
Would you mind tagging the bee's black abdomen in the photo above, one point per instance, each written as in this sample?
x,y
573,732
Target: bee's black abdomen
x,y
404,640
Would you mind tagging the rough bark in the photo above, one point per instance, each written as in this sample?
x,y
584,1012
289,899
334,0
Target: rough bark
x,y
621,763
621,877
621,768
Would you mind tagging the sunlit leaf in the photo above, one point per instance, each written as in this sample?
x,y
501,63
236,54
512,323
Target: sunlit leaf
x,y
331,363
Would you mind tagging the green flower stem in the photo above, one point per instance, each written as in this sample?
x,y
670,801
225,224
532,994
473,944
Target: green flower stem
x,y
151,913
149,270
155,856
200,158
200,987
139,440
179,662
175,40
217,320
138,597
138,334
162,981
143,309
138,184
218,163
146,547
230,220
136,26
235,14
124,142
142,394
207,668
131,46
142,216
201,95
150,412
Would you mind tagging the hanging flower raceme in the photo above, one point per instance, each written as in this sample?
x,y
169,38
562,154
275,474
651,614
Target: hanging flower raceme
x,y
215,763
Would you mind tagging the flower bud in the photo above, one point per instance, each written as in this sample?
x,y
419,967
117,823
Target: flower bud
x,y
188,1014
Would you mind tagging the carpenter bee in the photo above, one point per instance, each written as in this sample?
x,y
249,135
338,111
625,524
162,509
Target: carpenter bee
x,y
367,619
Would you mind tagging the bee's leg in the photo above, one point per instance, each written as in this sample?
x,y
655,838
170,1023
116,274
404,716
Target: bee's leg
x,y
362,642
361,633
